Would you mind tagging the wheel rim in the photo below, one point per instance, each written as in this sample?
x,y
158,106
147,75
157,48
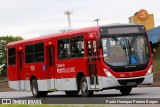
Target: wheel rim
x,y
34,89
84,87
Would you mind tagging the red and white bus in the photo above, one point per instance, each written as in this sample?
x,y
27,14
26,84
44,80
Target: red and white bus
x,y
86,60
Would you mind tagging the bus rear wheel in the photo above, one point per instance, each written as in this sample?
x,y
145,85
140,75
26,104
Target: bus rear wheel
x,y
35,92
125,90
34,88
84,88
71,93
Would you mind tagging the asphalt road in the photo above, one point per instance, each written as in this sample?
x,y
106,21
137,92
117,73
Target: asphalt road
x,y
98,98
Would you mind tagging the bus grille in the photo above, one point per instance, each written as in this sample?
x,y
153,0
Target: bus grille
x,y
137,81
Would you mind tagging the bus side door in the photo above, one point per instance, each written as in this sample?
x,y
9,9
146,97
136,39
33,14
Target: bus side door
x,y
20,70
50,66
92,63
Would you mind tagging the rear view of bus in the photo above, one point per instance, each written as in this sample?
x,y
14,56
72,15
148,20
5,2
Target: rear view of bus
x,y
126,56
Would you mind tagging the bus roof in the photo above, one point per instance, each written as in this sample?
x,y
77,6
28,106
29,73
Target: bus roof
x,y
120,25
56,35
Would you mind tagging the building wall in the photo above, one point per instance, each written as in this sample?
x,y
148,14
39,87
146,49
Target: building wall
x,y
142,17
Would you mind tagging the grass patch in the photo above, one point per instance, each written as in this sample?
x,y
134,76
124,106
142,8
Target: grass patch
x,y
21,105
16,105
156,66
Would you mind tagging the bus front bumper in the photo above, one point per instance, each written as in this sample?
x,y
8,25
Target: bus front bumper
x,y
116,82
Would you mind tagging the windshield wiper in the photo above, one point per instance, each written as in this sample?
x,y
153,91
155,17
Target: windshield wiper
x,y
117,40
124,46
133,41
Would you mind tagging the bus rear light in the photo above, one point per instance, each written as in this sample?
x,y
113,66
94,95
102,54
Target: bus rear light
x,y
108,73
149,70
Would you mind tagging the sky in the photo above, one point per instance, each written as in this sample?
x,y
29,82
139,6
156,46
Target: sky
x,y
34,18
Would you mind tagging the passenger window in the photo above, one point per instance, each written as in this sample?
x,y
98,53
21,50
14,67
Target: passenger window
x,y
12,56
64,48
71,47
39,52
29,53
34,53
77,46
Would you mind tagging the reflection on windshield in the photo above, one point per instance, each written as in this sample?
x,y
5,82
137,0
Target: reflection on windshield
x,y
125,50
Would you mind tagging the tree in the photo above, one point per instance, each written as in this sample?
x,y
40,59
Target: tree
x,y
4,40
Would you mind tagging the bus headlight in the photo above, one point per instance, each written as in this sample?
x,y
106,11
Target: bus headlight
x,y
149,70
108,73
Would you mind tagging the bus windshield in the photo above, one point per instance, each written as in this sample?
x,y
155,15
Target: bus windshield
x,y
125,50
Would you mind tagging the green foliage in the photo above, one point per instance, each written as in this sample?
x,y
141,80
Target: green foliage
x,y
4,40
156,60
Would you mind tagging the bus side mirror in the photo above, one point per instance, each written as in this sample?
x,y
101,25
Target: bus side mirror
x,y
151,45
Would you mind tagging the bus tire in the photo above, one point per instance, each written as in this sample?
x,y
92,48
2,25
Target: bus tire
x,y
125,90
71,93
34,88
84,88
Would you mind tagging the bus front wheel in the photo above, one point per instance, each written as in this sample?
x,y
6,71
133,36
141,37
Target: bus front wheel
x,y
84,88
125,90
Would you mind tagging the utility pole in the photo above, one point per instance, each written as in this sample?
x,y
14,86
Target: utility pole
x,y
96,20
68,13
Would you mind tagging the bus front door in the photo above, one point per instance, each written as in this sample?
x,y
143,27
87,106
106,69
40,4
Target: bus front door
x,y
20,73
50,67
92,64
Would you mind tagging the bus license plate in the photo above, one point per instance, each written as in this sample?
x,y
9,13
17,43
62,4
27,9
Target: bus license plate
x,y
131,83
